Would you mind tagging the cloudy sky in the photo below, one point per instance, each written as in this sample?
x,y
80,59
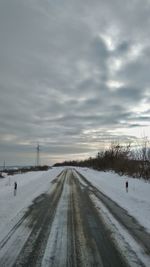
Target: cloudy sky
x,y
74,76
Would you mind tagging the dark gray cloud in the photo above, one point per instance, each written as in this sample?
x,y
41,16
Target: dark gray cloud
x,y
74,75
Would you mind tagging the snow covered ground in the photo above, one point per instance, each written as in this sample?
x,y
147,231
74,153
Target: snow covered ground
x,y
136,201
30,185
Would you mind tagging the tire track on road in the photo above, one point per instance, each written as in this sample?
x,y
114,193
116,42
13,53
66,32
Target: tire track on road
x,y
16,240
137,231
66,230
42,217
96,246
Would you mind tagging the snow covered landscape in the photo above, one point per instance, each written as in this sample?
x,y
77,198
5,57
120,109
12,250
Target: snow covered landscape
x,y
74,133
136,202
30,185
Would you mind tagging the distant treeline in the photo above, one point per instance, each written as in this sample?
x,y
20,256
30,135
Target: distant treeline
x,y
23,170
120,159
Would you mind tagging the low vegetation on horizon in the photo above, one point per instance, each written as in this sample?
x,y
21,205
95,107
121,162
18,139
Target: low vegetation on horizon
x,y
119,158
23,170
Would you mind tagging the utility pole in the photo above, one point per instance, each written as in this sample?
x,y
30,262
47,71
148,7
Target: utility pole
x,y
38,155
4,166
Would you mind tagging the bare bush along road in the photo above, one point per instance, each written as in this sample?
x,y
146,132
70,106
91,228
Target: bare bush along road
x,y
64,228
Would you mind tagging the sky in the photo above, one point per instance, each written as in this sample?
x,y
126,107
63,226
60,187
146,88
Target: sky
x,y
74,77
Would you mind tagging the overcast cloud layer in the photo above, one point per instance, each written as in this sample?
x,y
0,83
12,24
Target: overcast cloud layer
x,y
74,76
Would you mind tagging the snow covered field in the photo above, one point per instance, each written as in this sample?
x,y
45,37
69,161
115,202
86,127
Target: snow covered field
x,y
30,185
136,201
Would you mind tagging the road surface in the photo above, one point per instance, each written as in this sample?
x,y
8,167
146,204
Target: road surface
x,y
64,228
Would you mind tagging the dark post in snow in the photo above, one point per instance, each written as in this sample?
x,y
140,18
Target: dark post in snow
x,y
127,185
15,188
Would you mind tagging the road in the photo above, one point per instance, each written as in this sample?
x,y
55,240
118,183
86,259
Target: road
x,y
64,228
